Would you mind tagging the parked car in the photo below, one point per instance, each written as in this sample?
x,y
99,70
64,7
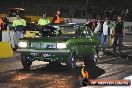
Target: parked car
x,y
68,43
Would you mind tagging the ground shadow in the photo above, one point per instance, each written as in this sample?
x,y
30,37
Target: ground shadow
x,y
117,58
94,72
56,71
122,55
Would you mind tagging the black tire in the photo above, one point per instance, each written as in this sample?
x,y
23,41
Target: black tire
x,y
91,60
71,62
26,63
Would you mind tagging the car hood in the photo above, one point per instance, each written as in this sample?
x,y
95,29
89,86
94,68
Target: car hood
x,y
47,39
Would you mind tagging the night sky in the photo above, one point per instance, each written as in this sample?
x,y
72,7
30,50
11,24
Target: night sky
x,y
98,3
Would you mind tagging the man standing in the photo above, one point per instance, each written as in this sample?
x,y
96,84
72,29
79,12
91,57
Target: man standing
x,y
44,20
105,35
89,23
19,25
6,22
98,29
118,34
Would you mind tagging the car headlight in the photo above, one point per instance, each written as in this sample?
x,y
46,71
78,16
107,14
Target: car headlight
x,y
61,45
22,44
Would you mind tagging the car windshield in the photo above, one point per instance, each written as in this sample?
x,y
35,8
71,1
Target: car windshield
x,y
53,30
58,30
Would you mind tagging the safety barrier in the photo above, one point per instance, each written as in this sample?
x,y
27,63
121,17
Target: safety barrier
x,y
36,18
9,36
5,50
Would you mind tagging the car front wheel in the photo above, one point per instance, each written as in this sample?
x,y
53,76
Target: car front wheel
x,y
26,63
91,60
71,61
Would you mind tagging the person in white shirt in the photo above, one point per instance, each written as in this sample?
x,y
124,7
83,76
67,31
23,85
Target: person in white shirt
x,y
105,35
98,29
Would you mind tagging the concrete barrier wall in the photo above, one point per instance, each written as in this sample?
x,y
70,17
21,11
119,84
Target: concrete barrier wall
x,y
77,20
5,50
9,36
6,44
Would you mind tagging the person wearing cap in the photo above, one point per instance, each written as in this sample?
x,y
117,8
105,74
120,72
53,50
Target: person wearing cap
x,y
18,26
56,18
44,20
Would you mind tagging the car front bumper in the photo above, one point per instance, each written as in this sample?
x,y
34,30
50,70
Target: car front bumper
x,y
39,51
45,55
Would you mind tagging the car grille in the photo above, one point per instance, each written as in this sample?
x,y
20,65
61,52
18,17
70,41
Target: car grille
x,y
48,45
43,45
35,45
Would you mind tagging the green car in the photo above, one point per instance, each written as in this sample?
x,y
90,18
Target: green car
x,y
67,43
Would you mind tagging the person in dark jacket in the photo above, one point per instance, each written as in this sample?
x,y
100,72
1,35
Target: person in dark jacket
x,y
118,34
6,22
89,23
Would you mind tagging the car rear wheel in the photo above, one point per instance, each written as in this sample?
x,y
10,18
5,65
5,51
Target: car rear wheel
x,y
91,60
71,61
26,63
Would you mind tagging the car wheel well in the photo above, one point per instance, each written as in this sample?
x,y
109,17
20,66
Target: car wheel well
x,y
71,61
91,60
